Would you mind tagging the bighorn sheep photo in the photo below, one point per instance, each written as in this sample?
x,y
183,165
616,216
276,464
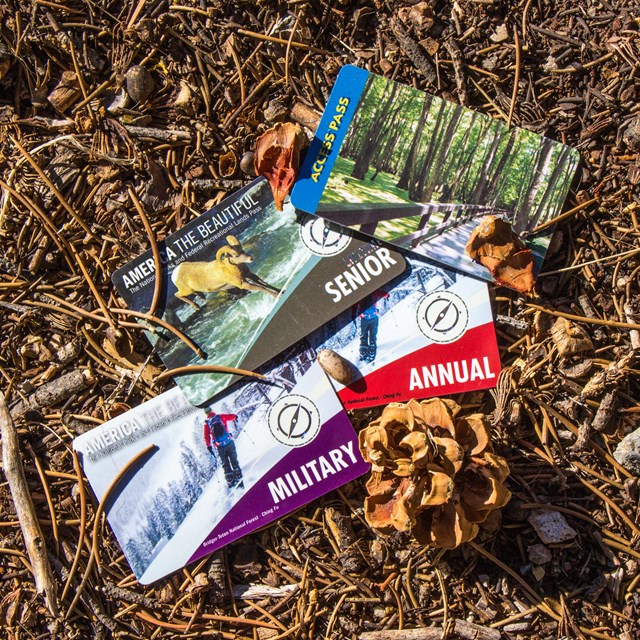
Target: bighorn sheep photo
x,y
227,271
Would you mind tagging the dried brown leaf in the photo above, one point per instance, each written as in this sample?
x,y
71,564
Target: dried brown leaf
x,y
570,338
495,245
277,158
228,164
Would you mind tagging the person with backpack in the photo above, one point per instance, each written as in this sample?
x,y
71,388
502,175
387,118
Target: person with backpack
x,y
368,311
216,434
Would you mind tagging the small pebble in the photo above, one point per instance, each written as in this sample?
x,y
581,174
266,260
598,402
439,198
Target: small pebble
x,y
336,366
539,554
275,112
501,34
246,164
139,83
627,453
551,526
631,135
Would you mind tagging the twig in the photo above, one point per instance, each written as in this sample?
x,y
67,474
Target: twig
x,y
563,216
266,80
38,213
54,392
165,325
294,43
581,265
151,449
461,628
288,50
154,250
136,13
571,316
47,493
83,523
456,59
516,79
414,53
165,135
208,368
52,187
33,538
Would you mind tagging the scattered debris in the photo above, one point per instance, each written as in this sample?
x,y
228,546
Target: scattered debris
x,y
570,338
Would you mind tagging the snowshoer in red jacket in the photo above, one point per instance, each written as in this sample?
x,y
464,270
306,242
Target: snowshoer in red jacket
x,y
368,311
216,434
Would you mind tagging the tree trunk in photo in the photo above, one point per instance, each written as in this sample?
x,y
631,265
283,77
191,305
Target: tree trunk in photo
x,y
479,160
527,180
442,150
464,173
356,129
537,180
496,171
454,167
403,181
559,168
372,138
389,135
506,172
483,178
418,173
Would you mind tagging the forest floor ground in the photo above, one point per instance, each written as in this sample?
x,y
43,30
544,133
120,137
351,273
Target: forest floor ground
x,y
76,157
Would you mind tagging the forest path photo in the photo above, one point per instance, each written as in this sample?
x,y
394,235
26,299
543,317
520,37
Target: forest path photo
x,y
403,145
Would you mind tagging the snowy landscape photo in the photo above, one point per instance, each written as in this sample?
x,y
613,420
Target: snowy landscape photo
x,y
428,332
168,511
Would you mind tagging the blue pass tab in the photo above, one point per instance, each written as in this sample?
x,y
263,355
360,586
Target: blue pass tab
x,y
329,137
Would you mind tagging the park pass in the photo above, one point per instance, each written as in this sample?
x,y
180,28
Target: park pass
x,y
243,282
427,333
210,476
420,172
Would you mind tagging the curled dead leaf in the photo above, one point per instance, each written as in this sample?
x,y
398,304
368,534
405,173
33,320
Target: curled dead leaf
x,y
228,164
277,158
495,245
570,338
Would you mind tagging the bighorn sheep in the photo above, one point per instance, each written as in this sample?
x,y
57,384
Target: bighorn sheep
x,y
227,271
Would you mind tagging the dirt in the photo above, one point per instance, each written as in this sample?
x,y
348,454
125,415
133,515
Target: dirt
x,y
74,146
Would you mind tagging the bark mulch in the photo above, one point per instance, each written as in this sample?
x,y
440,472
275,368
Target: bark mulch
x,y
81,167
